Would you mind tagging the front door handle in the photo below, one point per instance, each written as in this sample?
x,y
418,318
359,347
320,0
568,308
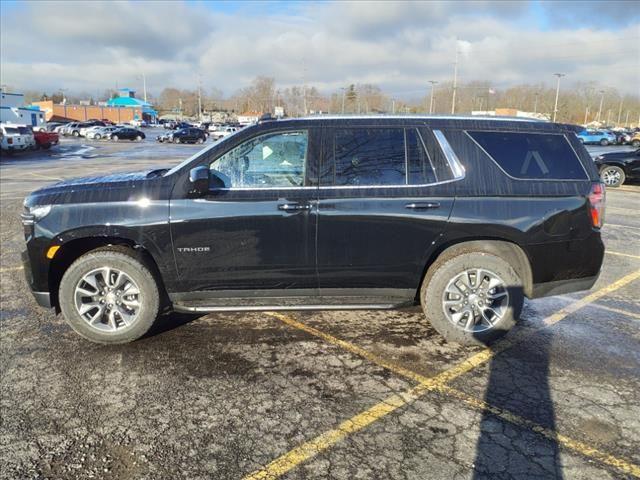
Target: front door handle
x,y
422,205
294,207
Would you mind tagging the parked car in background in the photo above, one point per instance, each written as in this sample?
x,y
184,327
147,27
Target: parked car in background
x,y
16,138
138,123
617,167
465,217
188,135
84,126
45,139
223,132
126,133
101,132
622,137
635,140
602,137
71,128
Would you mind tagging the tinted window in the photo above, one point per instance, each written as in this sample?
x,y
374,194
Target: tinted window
x,y
271,160
419,163
532,155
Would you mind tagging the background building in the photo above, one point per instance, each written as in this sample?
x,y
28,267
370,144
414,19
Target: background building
x,y
13,110
127,99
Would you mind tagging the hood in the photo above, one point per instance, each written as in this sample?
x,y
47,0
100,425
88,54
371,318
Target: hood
x,y
113,187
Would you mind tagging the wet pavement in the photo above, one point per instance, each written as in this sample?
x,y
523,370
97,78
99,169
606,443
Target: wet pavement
x,y
345,395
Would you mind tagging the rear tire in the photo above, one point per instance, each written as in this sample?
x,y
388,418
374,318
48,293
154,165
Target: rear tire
x,y
496,309
109,328
76,133
604,142
138,138
114,138
176,140
636,143
612,176
199,141
98,136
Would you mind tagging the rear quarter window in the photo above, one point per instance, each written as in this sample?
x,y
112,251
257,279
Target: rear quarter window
x,y
532,156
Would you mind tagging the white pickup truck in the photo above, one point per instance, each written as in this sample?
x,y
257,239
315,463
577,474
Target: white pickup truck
x,y
16,138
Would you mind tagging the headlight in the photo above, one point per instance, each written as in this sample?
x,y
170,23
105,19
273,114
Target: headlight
x,y
39,212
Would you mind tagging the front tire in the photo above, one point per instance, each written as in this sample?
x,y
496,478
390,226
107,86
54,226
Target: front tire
x,y
138,138
109,296
473,298
604,142
114,138
636,143
176,140
612,176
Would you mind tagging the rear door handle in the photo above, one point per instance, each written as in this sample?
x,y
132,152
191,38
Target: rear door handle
x,y
422,205
293,207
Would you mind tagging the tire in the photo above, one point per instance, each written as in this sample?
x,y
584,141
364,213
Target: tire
x,y
114,138
636,143
108,331
97,136
76,133
604,142
199,141
439,280
138,138
176,140
612,176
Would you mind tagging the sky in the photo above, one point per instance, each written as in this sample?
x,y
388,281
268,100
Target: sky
x,y
400,46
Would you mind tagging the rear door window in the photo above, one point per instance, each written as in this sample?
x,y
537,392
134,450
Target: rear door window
x,y
379,156
532,156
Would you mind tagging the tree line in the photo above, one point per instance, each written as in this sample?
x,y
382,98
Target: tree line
x,y
579,103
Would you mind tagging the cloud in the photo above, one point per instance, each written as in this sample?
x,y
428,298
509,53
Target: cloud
x,y
397,45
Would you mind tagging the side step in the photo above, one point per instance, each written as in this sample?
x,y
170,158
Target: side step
x,y
289,304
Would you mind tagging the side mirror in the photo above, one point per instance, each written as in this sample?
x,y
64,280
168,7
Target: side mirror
x,y
199,178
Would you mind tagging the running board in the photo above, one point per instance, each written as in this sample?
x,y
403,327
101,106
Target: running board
x,y
262,308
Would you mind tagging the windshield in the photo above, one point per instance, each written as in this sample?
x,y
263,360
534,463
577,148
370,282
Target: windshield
x,y
201,153
11,131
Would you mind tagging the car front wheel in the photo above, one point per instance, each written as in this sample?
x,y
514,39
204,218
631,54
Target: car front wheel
x,y
114,138
604,142
109,296
473,298
138,138
612,176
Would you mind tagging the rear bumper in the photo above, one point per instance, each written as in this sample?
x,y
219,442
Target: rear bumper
x,y
560,287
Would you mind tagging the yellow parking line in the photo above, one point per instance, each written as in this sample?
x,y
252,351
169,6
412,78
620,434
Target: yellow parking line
x,y
610,252
11,269
616,310
311,448
621,226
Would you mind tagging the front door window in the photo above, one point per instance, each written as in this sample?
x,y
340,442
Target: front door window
x,y
272,160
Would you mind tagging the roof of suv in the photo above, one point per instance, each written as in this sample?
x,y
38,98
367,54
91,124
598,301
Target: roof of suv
x,y
417,117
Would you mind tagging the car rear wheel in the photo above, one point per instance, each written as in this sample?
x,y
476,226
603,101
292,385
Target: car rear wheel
x,y
636,143
612,176
76,133
97,136
473,298
138,138
604,142
114,138
199,141
176,140
109,296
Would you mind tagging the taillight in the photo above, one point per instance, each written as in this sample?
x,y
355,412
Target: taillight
x,y
597,200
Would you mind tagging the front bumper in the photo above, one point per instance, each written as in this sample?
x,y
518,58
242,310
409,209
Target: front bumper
x,y
42,298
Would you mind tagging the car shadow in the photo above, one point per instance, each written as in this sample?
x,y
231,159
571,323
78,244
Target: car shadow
x,y
170,320
519,383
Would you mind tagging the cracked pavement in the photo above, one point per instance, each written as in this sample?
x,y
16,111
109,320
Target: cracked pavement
x,y
222,395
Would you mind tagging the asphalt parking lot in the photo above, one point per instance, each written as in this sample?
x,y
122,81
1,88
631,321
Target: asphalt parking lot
x,y
344,395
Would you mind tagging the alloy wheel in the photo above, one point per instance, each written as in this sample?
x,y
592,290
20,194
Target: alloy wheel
x,y
475,300
611,177
107,299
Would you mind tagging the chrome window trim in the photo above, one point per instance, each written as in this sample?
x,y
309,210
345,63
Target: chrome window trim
x,y
457,168
586,178
426,151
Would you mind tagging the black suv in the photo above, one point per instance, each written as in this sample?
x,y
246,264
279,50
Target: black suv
x,y
127,133
463,216
188,135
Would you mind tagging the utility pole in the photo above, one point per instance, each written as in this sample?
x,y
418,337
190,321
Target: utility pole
x,y
586,114
433,86
535,102
555,108
619,112
144,86
601,102
626,122
393,106
199,99
455,82
344,93
609,117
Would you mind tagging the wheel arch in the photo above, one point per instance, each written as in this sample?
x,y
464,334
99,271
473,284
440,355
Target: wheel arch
x,y
509,250
73,249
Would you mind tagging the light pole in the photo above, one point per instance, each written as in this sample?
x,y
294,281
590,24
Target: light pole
x,y
455,83
626,122
586,115
344,92
535,102
555,108
601,102
620,112
433,86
